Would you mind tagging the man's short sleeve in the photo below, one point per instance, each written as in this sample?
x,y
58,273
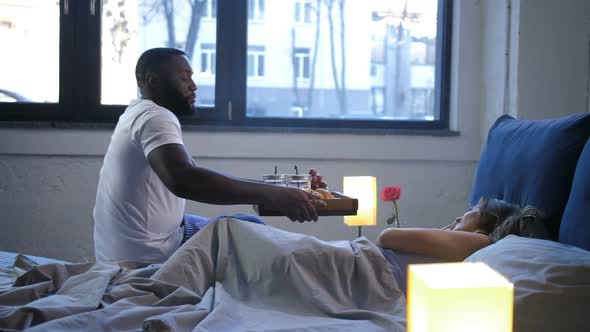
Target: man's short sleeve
x,y
154,128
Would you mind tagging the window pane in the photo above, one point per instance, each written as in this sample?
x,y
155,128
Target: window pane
x,y
297,66
261,9
297,11
29,61
261,65
213,8
251,9
213,63
306,66
204,62
250,65
307,12
133,26
384,69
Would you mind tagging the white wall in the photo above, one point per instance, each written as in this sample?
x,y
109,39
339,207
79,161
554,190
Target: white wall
x,y
553,58
536,59
496,64
48,176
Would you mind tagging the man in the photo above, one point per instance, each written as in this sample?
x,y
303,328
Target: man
x,y
147,173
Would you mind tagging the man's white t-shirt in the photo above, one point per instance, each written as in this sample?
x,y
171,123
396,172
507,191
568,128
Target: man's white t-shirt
x,y
135,216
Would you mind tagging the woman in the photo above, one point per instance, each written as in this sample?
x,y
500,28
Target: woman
x,y
486,223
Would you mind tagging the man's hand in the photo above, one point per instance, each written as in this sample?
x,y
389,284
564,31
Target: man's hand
x,y
296,204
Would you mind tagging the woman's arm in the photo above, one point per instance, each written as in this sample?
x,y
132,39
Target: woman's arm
x,y
442,244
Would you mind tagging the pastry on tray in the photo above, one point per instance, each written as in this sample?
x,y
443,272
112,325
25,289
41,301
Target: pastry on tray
x,y
322,193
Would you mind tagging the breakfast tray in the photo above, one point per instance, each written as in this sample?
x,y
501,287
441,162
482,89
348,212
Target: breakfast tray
x,y
342,205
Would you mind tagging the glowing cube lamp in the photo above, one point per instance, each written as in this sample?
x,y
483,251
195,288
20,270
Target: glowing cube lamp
x,y
364,189
457,297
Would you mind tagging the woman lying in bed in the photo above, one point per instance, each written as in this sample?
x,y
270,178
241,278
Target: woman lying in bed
x,y
486,223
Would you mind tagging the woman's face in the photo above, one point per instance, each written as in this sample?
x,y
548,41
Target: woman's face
x,y
469,222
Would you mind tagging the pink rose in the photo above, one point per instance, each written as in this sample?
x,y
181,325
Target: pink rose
x,y
391,193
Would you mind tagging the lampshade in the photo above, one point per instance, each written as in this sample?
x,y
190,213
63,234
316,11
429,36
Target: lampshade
x,y
364,189
458,297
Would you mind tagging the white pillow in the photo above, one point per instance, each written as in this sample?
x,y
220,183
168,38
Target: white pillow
x,y
551,282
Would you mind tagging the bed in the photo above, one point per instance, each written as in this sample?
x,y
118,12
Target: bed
x,y
221,281
217,281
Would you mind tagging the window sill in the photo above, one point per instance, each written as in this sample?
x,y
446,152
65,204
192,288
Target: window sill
x,y
322,131
244,129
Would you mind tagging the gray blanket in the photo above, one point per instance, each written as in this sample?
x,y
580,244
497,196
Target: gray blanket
x,y
232,276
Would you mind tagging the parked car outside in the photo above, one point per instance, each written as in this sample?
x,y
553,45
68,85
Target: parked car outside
x,y
7,96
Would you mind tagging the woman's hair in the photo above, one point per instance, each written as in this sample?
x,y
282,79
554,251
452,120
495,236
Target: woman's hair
x,y
499,219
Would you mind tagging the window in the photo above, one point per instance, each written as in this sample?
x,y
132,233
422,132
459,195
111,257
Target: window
x,y
256,10
25,28
255,61
207,60
211,10
354,64
303,11
301,63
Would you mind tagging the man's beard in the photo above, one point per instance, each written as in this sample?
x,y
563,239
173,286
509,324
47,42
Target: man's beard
x,y
177,103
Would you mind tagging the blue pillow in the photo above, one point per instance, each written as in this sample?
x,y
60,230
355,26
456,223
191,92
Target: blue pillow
x,y
575,225
532,162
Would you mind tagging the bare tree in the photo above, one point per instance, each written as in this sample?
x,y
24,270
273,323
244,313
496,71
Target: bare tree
x,y
167,9
296,69
342,92
339,84
154,8
197,10
308,103
316,45
119,29
399,95
171,27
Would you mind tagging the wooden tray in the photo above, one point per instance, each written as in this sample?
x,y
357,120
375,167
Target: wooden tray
x,y
340,206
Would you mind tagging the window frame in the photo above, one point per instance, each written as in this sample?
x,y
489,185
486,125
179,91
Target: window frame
x,y
80,56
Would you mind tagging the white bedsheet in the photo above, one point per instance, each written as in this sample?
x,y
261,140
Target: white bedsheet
x,y
232,276
7,259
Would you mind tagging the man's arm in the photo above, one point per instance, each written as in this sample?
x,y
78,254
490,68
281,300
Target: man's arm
x,y
178,172
442,244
